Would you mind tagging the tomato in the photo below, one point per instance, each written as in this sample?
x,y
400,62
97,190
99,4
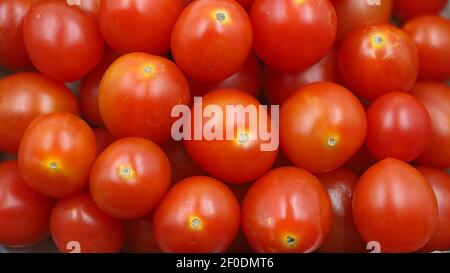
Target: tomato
x,y
103,139
247,4
407,9
376,59
286,39
361,161
181,162
139,236
137,94
56,154
432,37
241,159
91,7
139,26
24,213
129,177
24,97
440,182
198,214
78,220
436,99
69,37
278,86
394,205
398,126
212,39
321,126
343,236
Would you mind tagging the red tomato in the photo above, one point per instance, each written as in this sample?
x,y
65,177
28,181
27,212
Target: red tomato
x,y
361,161
321,126
199,214
406,9
91,7
103,139
436,98
398,126
24,97
137,94
24,213
376,59
247,4
68,36
432,37
440,182
77,220
212,39
56,154
139,236
288,40
129,177
395,206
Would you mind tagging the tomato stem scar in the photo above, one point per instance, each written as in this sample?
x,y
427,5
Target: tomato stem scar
x,y
377,39
221,16
195,223
290,241
332,142
243,138
53,165
148,69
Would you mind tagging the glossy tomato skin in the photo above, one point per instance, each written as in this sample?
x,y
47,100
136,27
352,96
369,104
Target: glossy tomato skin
x,y
137,94
321,126
287,40
139,236
103,139
139,26
24,97
407,9
398,126
56,154
129,178
212,39
198,214
436,99
78,219
181,162
378,58
67,34
24,213
91,7
431,34
297,218
394,205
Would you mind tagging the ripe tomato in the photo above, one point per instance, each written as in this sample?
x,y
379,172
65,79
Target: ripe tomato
x,y
407,9
432,37
24,213
24,97
129,177
139,236
91,7
78,220
56,154
436,98
286,39
103,139
212,39
247,4
394,205
376,59
139,26
361,161
440,182
343,236
198,214
137,94
69,37
321,126
398,126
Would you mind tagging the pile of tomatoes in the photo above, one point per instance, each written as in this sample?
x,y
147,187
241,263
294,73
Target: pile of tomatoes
x,y
364,125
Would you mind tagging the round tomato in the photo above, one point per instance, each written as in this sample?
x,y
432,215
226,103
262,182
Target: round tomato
x,y
91,7
139,236
407,9
103,139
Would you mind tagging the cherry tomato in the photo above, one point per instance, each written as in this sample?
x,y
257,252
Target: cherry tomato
x,y
321,126
137,94
129,177
103,139
198,214
79,222
56,154
91,7
24,213
407,9
24,97
361,161
212,39
62,41
139,236
394,205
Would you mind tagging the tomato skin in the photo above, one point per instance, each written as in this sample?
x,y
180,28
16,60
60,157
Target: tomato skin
x,y
103,139
129,177
24,213
398,126
378,58
91,7
77,218
139,236
311,135
56,154
394,205
181,162
68,33
137,94
407,9
211,39
24,97
198,209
